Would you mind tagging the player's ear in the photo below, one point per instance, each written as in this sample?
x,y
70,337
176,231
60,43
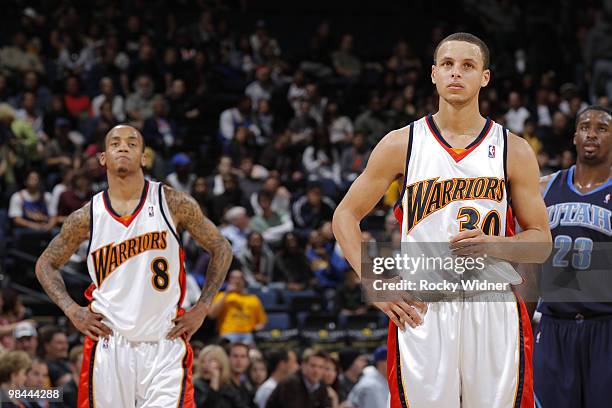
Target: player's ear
x,y
102,159
574,139
486,77
433,74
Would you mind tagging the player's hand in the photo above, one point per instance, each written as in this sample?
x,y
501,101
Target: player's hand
x,y
403,312
472,242
189,322
88,322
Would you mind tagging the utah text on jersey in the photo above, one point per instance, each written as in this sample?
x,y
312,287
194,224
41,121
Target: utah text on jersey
x,y
109,257
577,214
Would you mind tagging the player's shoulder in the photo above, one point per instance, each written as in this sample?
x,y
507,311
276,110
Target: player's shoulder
x,y
518,146
389,154
546,180
79,220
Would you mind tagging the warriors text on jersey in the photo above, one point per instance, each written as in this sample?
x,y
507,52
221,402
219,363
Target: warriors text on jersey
x,y
450,190
136,264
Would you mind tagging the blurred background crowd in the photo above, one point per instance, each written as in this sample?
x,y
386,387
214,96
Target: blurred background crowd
x,y
265,114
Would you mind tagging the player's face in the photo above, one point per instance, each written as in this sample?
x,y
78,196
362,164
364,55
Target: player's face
x,y
124,152
458,73
593,137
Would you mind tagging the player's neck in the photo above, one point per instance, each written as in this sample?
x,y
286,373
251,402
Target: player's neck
x,y
459,120
588,177
126,188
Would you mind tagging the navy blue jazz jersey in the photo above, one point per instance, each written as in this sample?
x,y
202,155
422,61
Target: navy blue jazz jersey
x,y
579,224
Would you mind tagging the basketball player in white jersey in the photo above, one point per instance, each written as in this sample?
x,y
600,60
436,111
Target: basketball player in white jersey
x,y
457,170
136,352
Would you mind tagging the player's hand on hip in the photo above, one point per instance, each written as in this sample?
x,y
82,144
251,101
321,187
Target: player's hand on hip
x,y
188,323
404,312
89,323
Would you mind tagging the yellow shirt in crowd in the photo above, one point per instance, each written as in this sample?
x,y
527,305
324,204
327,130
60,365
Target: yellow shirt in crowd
x,y
240,313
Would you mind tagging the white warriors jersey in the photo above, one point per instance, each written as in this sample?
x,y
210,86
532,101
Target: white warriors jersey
x,y
136,264
450,190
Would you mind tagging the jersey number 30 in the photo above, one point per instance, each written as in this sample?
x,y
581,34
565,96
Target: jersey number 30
x,y
469,217
160,278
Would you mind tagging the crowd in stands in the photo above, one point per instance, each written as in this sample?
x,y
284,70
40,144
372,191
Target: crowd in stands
x,y
266,131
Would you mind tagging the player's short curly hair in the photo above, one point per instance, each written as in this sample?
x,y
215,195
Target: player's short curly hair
x,y
11,363
470,38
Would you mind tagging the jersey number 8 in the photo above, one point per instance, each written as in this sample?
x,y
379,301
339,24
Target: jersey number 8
x,y
160,278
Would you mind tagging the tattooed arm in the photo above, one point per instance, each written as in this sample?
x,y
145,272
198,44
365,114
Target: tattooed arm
x,y
187,215
74,231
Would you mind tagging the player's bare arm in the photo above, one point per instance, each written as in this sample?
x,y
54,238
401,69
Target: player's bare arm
x,y
385,164
74,231
528,207
187,215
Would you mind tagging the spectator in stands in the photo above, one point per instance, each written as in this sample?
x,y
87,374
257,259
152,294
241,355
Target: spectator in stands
x,y
16,58
327,267
237,229
372,122
349,296
139,104
26,338
271,224
71,388
339,127
30,114
37,377
107,93
318,103
279,156
240,115
302,126
182,178
322,163
257,261
29,208
54,350
330,378
264,120
32,84
75,197
311,210
239,364
517,113
19,133
345,62
291,265
200,191
305,388
101,123
158,130
212,378
238,313
372,390
13,368
261,88
297,90
77,103
280,197
354,159
257,373
250,176
230,198
352,363
61,152
556,138
280,363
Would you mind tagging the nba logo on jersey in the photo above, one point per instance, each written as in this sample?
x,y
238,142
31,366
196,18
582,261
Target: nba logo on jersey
x,y
151,212
607,199
491,151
